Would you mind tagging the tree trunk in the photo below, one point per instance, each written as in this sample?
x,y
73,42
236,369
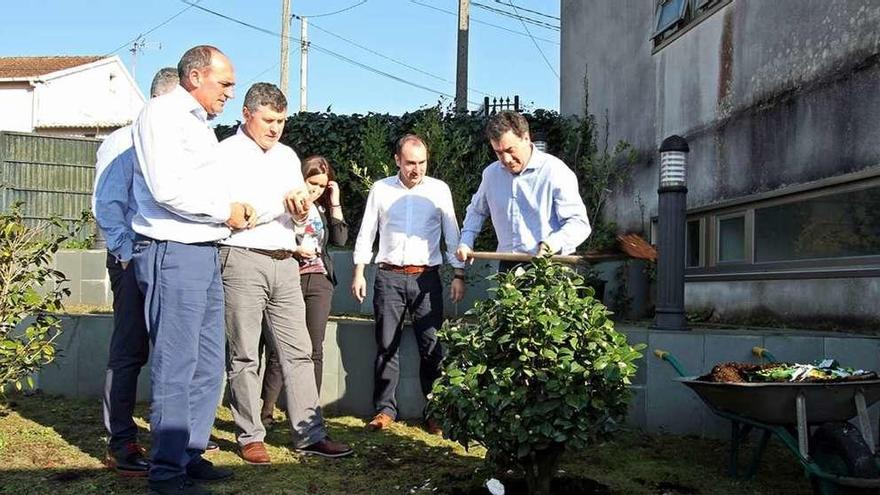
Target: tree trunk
x,y
539,468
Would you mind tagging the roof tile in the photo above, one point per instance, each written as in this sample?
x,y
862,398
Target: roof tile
x,y
38,66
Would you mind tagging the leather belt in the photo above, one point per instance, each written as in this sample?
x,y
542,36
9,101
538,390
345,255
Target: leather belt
x,y
275,254
408,269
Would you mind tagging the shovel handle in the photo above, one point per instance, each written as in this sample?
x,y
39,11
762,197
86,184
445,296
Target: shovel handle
x,y
486,255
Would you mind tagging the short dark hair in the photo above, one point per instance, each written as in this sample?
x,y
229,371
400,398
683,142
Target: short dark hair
x,y
196,58
507,120
408,138
263,93
164,81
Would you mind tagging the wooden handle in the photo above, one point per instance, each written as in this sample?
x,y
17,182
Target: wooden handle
x,y
485,255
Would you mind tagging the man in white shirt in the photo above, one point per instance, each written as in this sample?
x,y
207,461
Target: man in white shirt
x,y
129,350
411,212
183,209
261,280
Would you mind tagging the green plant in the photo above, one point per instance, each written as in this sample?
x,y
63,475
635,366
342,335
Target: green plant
x,y
29,287
541,370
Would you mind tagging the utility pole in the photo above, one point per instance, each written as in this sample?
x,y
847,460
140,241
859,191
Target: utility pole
x,y
461,69
285,44
138,46
304,65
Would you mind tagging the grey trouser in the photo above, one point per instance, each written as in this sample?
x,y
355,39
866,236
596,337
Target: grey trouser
x,y
317,294
257,286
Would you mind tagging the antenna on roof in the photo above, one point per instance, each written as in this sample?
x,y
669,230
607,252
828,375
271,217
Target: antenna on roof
x,y
138,46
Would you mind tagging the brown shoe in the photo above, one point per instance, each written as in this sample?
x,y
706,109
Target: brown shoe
x,y
433,427
255,453
380,422
327,448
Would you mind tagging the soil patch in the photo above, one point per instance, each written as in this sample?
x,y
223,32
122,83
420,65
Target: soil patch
x,y
562,485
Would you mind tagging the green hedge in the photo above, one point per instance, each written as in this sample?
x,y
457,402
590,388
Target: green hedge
x,y
361,150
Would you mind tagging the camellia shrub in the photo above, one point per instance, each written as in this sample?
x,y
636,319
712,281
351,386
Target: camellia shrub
x,y
539,371
29,287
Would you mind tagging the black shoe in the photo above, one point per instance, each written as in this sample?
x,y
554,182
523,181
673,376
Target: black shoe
x,y
212,447
327,448
180,485
128,460
202,470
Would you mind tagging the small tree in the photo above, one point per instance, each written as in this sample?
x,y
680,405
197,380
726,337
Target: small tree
x,y
29,286
541,370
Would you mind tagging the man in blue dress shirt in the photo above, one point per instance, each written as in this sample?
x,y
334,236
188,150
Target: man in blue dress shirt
x,y
532,197
114,208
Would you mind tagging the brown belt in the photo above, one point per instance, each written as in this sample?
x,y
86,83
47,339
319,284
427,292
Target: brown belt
x,y
407,269
275,254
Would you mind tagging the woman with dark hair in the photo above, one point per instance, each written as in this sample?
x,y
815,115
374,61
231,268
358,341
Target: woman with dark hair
x,y
325,225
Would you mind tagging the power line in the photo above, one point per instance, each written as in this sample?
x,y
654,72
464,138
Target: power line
x,y
520,33
336,11
391,59
157,26
536,44
528,10
326,51
516,16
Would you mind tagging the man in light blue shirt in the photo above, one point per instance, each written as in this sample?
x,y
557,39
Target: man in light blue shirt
x,y
532,197
114,208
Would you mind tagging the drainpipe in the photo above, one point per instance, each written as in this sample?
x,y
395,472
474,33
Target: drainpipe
x,y
672,198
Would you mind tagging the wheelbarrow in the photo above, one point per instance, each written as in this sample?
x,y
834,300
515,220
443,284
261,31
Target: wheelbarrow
x,y
838,457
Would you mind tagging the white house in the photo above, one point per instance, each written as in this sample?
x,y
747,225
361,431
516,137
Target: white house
x,y
87,96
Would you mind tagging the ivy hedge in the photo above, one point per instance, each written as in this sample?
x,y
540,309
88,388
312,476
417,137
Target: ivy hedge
x,y
361,150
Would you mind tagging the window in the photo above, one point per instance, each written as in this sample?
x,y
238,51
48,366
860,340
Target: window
x,y
669,12
694,244
673,17
833,226
731,239
824,229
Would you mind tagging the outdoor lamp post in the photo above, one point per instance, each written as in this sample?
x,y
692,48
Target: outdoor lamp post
x,y
672,198
540,141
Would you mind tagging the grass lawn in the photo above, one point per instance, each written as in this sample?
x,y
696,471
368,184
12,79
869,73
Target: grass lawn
x,y
50,445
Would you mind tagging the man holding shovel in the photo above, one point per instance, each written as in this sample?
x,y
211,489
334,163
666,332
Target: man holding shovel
x,y
532,197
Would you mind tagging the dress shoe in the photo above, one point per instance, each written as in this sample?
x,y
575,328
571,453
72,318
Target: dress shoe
x,y
180,485
129,460
212,447
203,470
380,422
433,427
255,453
327,448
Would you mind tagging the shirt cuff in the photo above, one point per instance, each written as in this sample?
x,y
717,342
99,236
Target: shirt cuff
x,y
363,258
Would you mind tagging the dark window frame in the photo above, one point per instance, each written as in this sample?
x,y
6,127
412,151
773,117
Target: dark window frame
x,y
832,267
696,11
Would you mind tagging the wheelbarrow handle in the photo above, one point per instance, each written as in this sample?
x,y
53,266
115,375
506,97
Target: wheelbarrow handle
x,y
669,358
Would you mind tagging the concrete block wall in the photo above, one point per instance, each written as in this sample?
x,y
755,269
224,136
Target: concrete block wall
x,y
89,284
660,404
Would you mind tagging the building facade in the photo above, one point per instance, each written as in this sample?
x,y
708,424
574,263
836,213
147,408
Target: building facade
x,y
779,102
87,96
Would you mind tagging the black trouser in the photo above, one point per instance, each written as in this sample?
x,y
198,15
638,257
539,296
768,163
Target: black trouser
x,y
394,294
317,292
129,350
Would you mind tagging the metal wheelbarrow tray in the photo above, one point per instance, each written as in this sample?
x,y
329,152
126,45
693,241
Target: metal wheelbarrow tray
x,y
787,410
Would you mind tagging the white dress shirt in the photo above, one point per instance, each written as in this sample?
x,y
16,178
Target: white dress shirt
x,y
409,222
112,203
261,178
179,191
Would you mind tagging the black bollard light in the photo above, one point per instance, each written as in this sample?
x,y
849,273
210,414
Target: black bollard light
x,y
671,221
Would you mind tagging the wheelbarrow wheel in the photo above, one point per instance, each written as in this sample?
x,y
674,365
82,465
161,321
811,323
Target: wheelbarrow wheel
x,y
839,449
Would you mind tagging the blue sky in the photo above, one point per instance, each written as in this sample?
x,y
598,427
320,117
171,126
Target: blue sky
x,y
412,32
